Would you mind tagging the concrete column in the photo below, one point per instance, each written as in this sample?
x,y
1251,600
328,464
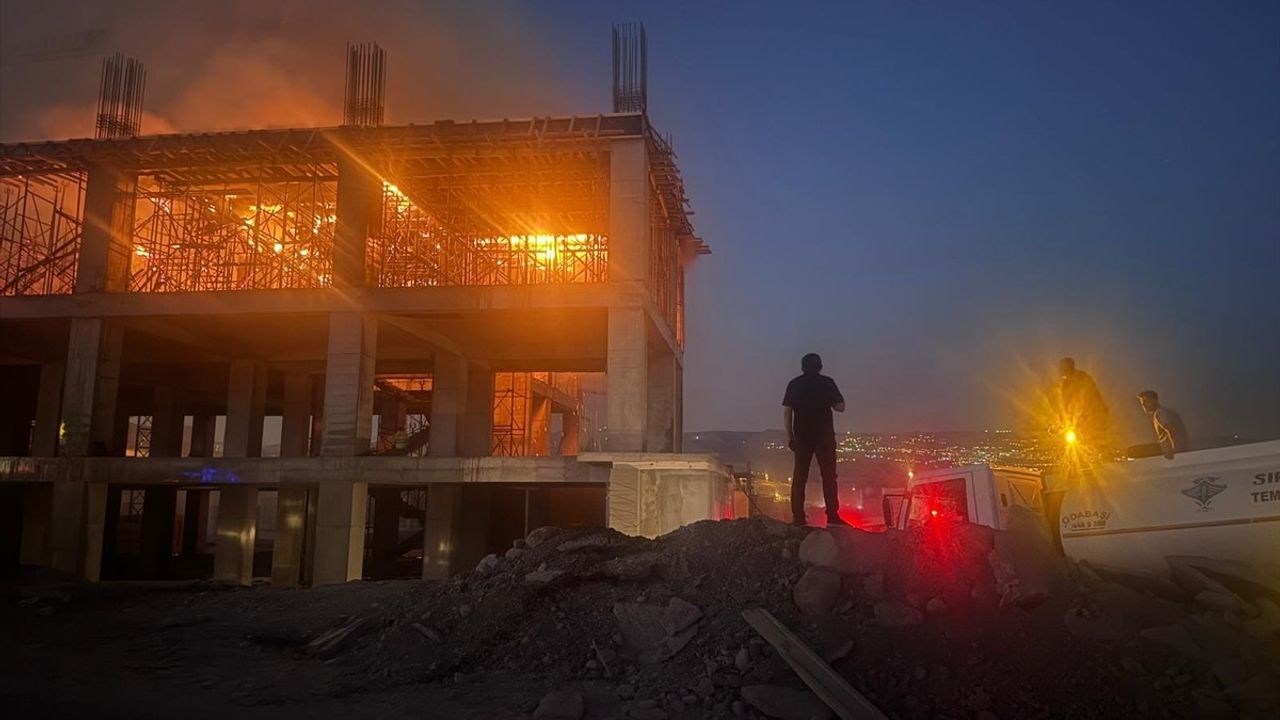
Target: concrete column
x,y
449,385
37,507
295,425
204,430
291,530
317,419
660,433
444,511
195,520
44,441
477,436
678,413
540,426
385,537
391,418
76,528
246,406
159,506
628,210
348,384
167,422
237,532
91,387
626,404
571,441
105,245
340,517
359,195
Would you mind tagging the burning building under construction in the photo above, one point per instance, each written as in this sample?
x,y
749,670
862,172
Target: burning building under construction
x,y
323,354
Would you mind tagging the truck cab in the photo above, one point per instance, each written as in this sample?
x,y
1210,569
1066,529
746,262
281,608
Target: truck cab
x,y
980,494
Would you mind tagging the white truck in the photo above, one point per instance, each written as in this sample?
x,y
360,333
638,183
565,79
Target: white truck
x,y
1220,502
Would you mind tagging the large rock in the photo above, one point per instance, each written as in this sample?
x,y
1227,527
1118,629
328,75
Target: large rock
x,y
644,628
785,703
542,534
845,550
816,591
680,616
561,705
487,564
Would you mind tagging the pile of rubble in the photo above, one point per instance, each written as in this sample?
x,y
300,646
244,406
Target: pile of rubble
x,y
953,621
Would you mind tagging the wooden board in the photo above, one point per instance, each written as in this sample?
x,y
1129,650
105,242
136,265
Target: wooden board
x,y
825,682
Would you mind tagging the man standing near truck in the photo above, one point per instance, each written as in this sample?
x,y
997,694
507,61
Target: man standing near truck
x,y
810,426
1080,405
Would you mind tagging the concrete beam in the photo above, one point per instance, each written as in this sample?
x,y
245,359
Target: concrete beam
x,y
376,469
237,532
340,518
424,301
91,387
246,407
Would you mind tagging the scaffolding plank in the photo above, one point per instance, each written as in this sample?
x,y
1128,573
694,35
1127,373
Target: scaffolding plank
x,y
832,689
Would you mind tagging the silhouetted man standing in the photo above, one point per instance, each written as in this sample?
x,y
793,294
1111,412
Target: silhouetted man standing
x,y
1080,404
811,431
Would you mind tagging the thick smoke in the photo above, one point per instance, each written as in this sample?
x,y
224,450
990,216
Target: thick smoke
x,y
236,64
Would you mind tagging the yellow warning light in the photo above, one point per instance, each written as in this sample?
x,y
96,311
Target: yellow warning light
x,y
1070,437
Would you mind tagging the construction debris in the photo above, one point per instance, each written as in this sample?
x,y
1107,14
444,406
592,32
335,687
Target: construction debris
x,y
635,628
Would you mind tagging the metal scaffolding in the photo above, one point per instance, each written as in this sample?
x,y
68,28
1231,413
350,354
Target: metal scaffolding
x,y
233,236
41,219
511,409
522,202
493,226
516,430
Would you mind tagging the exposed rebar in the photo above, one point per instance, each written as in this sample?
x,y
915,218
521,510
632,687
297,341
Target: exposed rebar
x,y
630,68
120,92
366,82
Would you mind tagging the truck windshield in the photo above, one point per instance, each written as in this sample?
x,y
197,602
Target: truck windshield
x,y
944,499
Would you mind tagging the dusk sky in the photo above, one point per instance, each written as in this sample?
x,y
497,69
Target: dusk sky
x,y
941,199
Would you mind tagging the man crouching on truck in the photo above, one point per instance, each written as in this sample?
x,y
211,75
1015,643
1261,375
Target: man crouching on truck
x,y
811,431
1171,432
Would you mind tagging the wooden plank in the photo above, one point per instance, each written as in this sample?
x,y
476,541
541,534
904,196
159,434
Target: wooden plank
x,y
825,682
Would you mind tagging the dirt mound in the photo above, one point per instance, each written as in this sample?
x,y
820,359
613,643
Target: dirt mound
x,y
953,621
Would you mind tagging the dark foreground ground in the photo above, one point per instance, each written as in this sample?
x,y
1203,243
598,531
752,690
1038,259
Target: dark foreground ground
x,y
629,628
